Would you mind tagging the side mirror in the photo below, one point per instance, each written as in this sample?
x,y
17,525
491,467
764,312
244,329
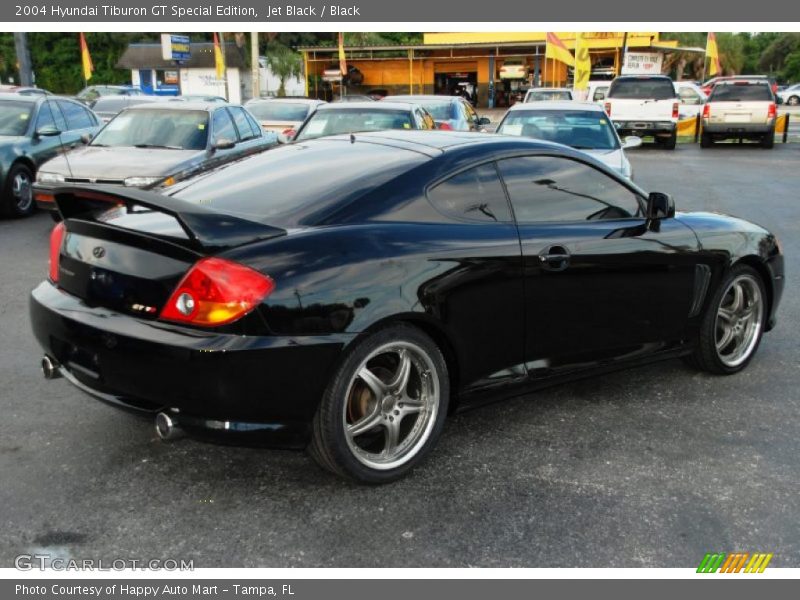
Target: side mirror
x,y
86,138
484,121
778,100
223,144
660,206
631,141
47,131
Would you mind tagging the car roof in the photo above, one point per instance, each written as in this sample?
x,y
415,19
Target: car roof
x,y
556,105
371,105
550,89
420,98
172,105
289,100
32,98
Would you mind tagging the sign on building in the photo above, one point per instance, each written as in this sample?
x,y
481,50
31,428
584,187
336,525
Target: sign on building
x,y
642,63
175,47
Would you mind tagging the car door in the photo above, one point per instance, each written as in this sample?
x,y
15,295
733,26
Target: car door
x,y
601,282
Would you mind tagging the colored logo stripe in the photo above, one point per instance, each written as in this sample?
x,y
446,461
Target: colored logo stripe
x,y
734,563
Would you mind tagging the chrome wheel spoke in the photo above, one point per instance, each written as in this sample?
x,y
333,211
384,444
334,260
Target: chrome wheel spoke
x,y
392,437
376,386
738,298
727,336
400,379
727,315
739,320
366,424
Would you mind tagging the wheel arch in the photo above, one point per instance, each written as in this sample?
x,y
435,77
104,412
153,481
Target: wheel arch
x,y
758,265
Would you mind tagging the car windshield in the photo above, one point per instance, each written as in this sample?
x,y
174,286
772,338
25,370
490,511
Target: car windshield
x,y
14,117
642,89
156,128
582,129
741,92
440,111
278,111
333,122
542,95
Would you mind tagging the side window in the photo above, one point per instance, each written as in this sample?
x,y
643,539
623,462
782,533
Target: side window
x,y
77,116
471,114
600,94
242,124
49,115
547,188
222,126
254,126
475,195
689,96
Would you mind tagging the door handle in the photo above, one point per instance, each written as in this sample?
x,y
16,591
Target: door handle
x,y
554,258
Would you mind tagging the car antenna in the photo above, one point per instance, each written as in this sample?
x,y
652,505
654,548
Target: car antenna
x,y
352,138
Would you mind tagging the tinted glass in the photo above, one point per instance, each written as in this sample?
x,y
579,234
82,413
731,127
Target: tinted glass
x,y
76,115
475,195
583,129
242,124
741,92
441,111
544,188
278,111
14,117
642,88
223,126
50,116
254,126
600,93
156,128
689,96
348,120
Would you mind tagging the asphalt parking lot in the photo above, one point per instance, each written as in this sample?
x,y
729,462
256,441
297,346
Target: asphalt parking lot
x,y
652,467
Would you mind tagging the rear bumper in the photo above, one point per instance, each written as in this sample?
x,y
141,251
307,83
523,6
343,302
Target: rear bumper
x,y
214,381
738,128
643,128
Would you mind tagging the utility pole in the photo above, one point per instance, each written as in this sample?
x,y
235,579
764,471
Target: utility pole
x,y
23,58
255,72
224,55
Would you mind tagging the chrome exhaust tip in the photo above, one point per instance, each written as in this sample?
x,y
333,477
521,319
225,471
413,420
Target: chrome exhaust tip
x,y
50,368
167,428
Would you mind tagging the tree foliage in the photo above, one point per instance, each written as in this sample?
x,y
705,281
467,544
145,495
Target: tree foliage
x,y
284,63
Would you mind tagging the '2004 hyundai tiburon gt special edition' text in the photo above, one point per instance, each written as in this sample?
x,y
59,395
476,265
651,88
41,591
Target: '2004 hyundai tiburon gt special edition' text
x,y
346,294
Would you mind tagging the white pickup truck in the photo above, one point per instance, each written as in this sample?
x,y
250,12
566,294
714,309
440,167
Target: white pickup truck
x,y
645,105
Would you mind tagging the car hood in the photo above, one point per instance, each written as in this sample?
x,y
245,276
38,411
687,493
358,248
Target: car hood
x,y
718,222
611,158
12,140
121,162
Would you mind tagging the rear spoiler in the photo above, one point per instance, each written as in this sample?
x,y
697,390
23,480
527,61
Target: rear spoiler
x,y
205,227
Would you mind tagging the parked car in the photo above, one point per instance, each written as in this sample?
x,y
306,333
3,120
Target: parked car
x,y
33,129
162,142
351,314
691,98
708,86
22,89
282,115
737,109
199,98
108,107
597,91
547,94
449,112
581,125
358,117
355,98
92,92
644,105
791,94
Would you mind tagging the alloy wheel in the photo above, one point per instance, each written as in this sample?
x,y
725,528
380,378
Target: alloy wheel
x,y
739,320
22,191
391,405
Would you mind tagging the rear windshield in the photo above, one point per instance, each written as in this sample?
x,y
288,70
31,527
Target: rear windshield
x,y
544,95
440,111
642,89
278,111
582,129
741,92
349,120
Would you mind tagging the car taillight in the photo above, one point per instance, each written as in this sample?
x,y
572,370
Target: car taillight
x,y
56,239
772,111
675,107
706,111
216,291
444,126
289,133
608,108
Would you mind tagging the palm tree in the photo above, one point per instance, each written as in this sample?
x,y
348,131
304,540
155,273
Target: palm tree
x,y
284,63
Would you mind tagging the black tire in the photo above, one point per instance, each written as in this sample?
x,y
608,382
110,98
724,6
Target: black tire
x,y
13,204
793,100
671,141
340,453
706,141
768,141
707,356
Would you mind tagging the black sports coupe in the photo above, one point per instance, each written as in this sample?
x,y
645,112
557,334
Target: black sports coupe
x,y
345,294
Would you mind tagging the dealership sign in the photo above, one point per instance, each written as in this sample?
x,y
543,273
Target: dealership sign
x,y
175,47
642,63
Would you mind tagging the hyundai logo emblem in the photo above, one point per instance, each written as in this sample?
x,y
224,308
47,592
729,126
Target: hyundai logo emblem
x,y
98,252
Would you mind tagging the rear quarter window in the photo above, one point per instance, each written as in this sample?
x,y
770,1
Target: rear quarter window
x,y
642,89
